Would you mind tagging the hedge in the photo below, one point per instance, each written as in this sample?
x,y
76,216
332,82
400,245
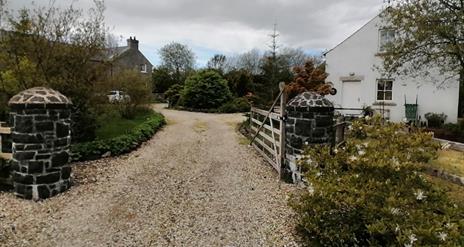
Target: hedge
x,y
118,145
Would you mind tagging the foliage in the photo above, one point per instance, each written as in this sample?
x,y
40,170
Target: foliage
x,y
456,129
274,70
360,196
173,94
240,82
120,144
162,79
435,120
205,90
54,47
112,124
235,105
137,87
310,77
179,59
429,35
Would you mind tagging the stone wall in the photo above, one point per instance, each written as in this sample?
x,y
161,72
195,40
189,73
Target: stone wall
x,y
41,140
309,122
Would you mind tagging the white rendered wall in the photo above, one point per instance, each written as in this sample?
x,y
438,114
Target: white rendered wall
x,y
358,55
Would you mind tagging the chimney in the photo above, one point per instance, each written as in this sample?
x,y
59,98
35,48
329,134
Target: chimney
x,y
133,43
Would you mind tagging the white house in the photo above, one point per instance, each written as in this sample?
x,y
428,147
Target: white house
x,y
351,67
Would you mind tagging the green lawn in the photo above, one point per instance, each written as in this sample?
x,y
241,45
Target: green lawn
x,y
450,161
112,124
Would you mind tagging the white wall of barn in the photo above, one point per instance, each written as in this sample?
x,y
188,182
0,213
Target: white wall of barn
x,y
351,65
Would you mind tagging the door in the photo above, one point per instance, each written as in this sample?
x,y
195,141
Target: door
x,y
351,96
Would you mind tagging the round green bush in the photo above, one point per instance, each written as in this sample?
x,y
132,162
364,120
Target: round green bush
x,y
205,90
236,105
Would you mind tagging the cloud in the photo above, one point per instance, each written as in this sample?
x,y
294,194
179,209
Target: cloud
x,y
233,26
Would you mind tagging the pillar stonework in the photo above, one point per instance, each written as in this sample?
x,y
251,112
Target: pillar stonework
x,y
41,137
309,122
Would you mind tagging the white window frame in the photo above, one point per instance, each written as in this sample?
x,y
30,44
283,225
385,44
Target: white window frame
x,y
143,68
377,90
390,37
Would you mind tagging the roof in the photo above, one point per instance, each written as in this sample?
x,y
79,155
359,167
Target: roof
x,y
39,95
111,53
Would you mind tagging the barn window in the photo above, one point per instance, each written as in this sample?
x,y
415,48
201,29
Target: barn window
x,y
387,36
384,89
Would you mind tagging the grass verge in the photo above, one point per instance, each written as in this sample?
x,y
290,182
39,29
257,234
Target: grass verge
x,y
116,139
454,191
450,161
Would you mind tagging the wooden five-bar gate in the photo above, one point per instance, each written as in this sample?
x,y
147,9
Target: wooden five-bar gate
x,y
5,142
268,130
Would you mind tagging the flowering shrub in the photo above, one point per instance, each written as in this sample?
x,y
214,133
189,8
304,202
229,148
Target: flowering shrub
x,y
371,192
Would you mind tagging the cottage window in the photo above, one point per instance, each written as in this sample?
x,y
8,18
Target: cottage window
x,y
387,36
143,68
384,90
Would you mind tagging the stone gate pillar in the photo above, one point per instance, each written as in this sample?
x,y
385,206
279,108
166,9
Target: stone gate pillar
x,y
309,122
41,137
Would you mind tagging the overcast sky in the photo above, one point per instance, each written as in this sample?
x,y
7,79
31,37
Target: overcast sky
x,y
231,26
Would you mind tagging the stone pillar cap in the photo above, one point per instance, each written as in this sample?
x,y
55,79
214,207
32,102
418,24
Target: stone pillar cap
x,y
310,99
39,95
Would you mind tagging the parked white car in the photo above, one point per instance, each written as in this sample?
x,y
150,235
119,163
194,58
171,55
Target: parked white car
x,y
117,96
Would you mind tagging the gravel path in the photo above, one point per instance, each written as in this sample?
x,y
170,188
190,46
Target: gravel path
x,y
196,183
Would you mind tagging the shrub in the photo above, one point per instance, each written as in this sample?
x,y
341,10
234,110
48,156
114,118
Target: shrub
x,y
236,105
205,90
360,196
239,82
137,87
435,120
173,95
118,145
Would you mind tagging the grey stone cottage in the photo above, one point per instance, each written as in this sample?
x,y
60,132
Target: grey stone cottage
x,y
127,57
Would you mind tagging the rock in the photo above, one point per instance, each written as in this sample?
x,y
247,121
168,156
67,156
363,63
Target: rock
x,y
106,155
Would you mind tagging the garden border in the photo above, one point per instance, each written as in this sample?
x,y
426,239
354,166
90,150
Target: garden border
x,y
119,145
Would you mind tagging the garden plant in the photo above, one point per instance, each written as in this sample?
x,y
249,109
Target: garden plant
x,y
371,191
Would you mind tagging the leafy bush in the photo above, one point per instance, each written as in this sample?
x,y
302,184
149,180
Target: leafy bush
x,y
371,192
121,144
137,87
205,90
240,82
236,105
173,95
435,120
456,129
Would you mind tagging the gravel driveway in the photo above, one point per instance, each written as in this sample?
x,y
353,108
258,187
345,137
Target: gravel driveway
x,y
196,183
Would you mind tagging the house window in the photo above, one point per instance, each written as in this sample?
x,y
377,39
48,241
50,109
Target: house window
x,y
384,90
143,68
387,36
